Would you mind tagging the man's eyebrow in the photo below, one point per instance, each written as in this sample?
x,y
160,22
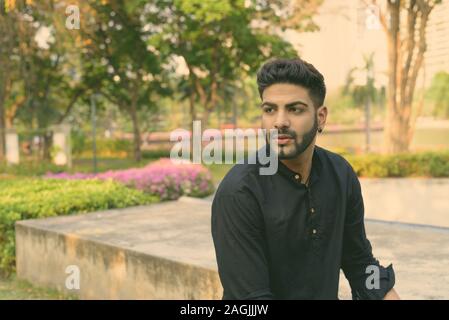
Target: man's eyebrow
x,y
294,103
270,104
288,105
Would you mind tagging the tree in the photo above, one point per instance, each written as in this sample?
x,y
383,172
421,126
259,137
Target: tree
x,y
6,44
406,48
38,68
116,57
366,94
218,40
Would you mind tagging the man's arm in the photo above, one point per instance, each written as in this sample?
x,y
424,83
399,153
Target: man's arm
x,y
358,263
392,295
240,246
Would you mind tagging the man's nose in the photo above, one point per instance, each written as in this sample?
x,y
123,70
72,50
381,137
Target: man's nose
x,y
281,121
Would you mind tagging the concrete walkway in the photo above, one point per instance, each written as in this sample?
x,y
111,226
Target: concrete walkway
x,y
165,251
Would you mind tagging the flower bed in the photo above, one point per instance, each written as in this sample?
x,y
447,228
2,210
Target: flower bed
x,y
162,178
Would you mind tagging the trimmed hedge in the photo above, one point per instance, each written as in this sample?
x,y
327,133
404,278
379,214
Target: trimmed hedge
x,y
38,198
29,168
426,164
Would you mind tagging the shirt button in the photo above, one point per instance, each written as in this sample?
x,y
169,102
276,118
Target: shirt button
x,y
312,210
297,176
314,231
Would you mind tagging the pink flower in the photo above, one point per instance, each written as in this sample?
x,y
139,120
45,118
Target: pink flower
x,y
163,178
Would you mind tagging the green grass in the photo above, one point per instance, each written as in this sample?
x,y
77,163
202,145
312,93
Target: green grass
x,y
218,171
105,164
12,288
34,168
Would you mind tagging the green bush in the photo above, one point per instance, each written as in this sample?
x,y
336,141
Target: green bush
x,y
38,198
30,168
155,154
438,166
104,147
78,141
426,164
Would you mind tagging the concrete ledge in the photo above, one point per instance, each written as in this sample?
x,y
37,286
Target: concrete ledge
x,y
121,254
165,251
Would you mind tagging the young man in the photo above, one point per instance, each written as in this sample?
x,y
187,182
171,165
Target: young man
x,y
286,236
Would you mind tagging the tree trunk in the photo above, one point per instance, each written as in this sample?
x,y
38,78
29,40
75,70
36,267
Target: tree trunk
x,y
367,124
205,119
136,134
47,145
7,116
2,131
398,141
2,117
4,50
192,107
391,126
405,60
207,100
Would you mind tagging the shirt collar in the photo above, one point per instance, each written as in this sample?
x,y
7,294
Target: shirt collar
x,y
296,177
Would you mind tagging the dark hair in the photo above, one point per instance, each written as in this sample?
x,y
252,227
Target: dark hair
x,y
293,71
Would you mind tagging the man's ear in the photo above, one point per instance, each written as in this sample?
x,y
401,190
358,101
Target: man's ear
x,y
322,116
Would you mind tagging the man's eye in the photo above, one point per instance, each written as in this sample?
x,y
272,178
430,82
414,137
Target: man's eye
x,y
296,110
268,110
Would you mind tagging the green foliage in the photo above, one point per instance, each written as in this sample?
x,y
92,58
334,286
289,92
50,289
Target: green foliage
x,y
12,288
78,141
207,11
342,108
85,165
30,168
105,148
426,164
438,94
155,154
218,43
41,74
430,164
127,52
114,148
39,198
360,94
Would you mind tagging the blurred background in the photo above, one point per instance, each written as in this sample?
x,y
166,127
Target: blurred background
x,y
92,89
127,73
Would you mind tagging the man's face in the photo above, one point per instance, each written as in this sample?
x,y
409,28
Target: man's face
x,y
289,109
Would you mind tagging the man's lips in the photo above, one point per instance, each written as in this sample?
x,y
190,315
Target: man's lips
x,y
283,139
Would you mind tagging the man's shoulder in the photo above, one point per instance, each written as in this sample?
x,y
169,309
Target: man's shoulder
x,y
238,179
333,158
343,171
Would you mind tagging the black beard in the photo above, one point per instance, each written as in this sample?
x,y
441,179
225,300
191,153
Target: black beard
x,y
299,147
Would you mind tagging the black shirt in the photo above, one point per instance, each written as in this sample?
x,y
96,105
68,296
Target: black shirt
x,y
276,238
